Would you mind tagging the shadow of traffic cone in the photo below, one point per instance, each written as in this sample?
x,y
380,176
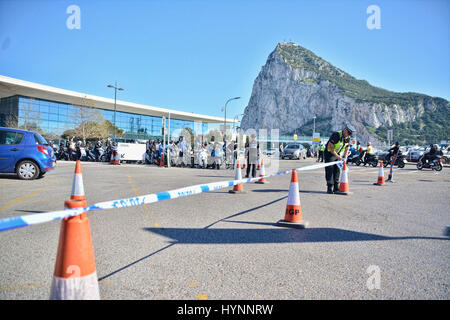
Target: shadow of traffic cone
x,y
238,188
343,185
380,180
262,173
77,185
293,214
75,275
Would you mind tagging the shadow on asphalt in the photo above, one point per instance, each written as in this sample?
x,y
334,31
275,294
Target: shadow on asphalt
x,y
271,235
11,176
261,235
271,190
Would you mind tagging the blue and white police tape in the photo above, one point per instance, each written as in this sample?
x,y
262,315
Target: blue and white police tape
x,y
28,220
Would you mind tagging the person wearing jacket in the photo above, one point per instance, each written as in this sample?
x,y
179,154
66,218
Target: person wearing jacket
x,y
337,149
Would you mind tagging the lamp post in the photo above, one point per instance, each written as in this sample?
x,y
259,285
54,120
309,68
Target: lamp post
x,y
314,126
314,131
236,117
115,100
225,117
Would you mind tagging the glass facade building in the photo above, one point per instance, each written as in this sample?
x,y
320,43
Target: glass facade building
x,y
52,119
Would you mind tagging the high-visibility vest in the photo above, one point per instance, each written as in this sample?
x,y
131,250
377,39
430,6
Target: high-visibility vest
x,y
341,144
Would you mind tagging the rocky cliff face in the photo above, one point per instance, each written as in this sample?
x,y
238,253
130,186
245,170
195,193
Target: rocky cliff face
x,y
295,85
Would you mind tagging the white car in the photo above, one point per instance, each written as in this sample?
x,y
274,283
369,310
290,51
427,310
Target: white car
x,y
414,155
272,151
294,151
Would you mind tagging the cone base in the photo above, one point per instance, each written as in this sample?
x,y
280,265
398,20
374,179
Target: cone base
x,y
379,184
237,191
299,224
77,288
346,193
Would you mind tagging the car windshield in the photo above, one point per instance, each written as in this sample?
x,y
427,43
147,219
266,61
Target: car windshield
x,y
40,140
292,146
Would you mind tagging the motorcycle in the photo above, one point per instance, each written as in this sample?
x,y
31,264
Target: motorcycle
x,y
399,160
202,157
90,156
369,159
217,159
173,156
435,164
99,154
353,158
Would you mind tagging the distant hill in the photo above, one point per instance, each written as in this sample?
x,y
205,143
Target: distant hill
x,y
296,85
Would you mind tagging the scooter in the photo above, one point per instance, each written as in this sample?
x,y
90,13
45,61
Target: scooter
x,y
365,158
90,156
435,164
202,157
353,158
399,160
173,157
217,159
99,154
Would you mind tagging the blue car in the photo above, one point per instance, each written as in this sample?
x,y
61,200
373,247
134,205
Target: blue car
x,y
26,153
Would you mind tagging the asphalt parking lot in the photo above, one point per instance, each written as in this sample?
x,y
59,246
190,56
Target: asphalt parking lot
x,y
218,245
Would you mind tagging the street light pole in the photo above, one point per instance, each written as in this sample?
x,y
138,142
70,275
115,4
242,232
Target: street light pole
x,y
225,117
115,104
314,131
236,117
314,127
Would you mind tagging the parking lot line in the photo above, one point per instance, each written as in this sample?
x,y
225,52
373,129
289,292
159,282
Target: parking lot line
x,y
137,193
22,199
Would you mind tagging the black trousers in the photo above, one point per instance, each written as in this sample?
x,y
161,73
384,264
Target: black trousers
x,y
320,157
332,173
253,168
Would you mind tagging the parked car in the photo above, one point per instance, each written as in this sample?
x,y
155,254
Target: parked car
x,y
415,154
446,155
294,151
382,154
272,151
25,153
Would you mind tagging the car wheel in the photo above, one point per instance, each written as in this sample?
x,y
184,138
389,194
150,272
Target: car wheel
x,y
28,170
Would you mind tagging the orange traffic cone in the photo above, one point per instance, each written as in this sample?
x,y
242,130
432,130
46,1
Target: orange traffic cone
x,y
77,185
259,165
262,174
380,180
343,185
75,275
161,163
115,158
293,214
238,188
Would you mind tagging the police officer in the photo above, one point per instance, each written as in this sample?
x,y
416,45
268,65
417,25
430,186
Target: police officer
x,y
336,149
252,155
321,149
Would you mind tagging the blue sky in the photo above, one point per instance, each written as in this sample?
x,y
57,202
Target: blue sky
x,y
194,55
